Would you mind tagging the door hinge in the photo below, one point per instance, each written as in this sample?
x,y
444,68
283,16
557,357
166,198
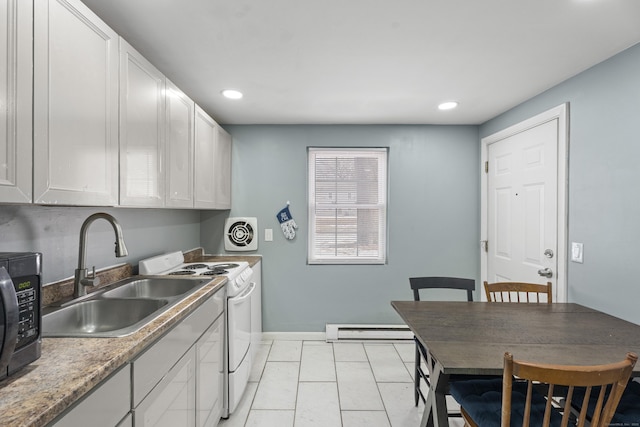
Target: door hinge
x,y
486,167
484,244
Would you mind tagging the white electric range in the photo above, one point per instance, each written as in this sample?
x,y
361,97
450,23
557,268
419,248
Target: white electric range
x,y
241,288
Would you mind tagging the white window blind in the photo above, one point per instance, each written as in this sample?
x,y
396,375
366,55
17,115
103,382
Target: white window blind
x,y
347,206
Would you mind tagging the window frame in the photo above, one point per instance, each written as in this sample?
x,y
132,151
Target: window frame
x,y
382,154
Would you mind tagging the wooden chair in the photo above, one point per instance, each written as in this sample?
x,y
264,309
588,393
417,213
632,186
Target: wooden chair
x,y
628,410
421,283
518,402
518,292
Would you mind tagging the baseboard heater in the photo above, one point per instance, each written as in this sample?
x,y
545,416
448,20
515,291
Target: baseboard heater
x,y
345,332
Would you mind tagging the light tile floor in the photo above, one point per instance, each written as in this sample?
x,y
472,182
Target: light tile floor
x,y
313,383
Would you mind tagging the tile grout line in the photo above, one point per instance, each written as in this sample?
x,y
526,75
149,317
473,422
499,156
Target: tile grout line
x,y
386,412
335,371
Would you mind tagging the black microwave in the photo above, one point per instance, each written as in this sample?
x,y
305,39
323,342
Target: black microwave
x,y
20,310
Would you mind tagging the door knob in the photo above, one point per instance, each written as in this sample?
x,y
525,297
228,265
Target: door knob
x,y
545,272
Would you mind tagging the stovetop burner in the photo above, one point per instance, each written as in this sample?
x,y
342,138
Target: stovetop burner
x,y
214,272
224,266
195,266
182,273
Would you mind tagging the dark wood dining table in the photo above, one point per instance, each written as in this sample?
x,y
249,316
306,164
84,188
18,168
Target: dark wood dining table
x,y
470,338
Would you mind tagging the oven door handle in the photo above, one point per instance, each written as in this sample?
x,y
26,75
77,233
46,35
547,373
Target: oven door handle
x,y
9,301
244,295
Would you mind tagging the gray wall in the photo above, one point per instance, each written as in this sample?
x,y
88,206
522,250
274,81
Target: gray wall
x,y
433,208
604,172
55,231
433,219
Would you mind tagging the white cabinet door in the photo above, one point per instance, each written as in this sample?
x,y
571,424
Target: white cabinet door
x,y
179,148
206,134
172,401
16,48
105,406
75,106
213,164
142,126
150,366
209,375
222,170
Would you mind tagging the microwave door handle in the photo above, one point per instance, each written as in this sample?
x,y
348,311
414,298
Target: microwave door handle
x,y
9,301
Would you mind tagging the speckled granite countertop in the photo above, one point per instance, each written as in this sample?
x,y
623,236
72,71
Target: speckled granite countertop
x,y
71,367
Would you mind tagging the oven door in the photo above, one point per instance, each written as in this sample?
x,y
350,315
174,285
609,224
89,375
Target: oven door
x,y
239,326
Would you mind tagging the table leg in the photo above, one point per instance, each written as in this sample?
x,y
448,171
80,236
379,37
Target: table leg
x,y
435,408
427,416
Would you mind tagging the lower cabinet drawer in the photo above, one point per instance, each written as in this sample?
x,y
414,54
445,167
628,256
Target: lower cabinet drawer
x,y
105,406
172,401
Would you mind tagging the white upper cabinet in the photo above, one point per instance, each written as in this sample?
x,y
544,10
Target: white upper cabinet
x,y
179,148
75,106
222,170
213,164
206,134
142,130
16,47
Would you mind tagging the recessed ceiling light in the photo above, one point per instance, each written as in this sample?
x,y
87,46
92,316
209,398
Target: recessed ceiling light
x,y
232,94
449,105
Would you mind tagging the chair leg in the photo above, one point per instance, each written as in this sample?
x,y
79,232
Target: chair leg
x,y
416,377
468,421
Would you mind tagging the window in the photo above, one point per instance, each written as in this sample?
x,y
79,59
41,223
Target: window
x,y
347,206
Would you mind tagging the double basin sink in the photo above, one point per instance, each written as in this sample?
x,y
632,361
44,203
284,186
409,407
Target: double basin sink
x,y
119,309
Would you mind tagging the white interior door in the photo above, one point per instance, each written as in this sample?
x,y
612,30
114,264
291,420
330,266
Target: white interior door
x,y
523,204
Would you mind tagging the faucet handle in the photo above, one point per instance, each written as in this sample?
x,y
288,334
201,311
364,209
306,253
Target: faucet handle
x,y
91,280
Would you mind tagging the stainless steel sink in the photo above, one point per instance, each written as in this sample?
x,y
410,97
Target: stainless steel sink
x,y
119,309
155,288
101,317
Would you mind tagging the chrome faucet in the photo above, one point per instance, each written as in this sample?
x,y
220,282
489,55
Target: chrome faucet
x,y
82,279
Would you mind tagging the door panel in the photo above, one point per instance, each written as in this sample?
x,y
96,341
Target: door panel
x,y
522,204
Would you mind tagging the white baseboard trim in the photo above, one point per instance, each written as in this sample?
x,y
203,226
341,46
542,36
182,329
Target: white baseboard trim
x,y
366,332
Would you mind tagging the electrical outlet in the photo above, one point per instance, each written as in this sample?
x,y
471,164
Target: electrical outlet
x,y
576,252
268,235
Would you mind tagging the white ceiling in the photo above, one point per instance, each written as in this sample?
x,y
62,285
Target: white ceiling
x,y
370,61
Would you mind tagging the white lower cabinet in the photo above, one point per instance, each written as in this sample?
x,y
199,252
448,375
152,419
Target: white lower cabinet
x,y
178,380
105,406
209,375
172,402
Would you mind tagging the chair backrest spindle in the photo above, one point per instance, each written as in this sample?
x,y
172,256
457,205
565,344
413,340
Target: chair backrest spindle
x,y
518,292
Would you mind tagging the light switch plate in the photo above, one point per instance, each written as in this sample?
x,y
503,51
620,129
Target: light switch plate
x,y
268,235
576,252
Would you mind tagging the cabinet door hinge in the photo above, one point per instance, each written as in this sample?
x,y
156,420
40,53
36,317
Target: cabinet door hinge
x,y
486,167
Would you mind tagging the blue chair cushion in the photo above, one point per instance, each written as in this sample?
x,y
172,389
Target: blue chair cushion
x,y
628,411
482,400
